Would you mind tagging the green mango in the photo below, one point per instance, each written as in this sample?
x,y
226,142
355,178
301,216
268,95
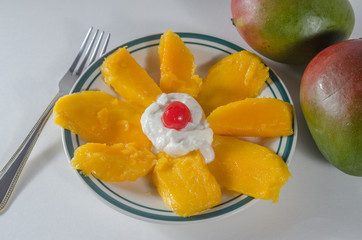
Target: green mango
x,y
292,31
331,100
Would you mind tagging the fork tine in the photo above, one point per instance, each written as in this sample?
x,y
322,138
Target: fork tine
x,y
75,62
93,56
80,69
105,45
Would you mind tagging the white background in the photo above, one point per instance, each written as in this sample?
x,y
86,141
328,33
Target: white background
x,y
38,41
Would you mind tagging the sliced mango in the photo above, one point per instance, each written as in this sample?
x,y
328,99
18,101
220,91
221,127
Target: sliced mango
x,y
99,117
177,66
248,168
185,184
121,71
235,77
253,117
115,163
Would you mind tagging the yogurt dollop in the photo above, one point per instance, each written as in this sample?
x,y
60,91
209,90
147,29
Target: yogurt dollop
x,y
195,136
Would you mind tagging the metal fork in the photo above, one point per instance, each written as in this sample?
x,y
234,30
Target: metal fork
x,y
11,171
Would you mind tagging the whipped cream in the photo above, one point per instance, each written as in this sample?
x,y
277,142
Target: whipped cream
x,y
195,136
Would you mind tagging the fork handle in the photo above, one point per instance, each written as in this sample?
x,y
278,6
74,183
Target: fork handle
x,y
9,175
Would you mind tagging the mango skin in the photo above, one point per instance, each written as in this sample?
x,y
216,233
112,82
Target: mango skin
x,y
291,31
331,100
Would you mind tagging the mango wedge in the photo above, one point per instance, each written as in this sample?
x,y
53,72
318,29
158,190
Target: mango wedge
x,y
248,168
99,117
115,163
121,71
177,66
253,117
185,184
235,77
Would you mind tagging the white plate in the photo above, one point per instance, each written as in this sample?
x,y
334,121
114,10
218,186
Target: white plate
x,y
140,199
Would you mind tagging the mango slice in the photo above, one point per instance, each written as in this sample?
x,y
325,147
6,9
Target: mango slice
x,y
177,66
235,77
253,117
121,71
115,163
99,117
185,184
248,168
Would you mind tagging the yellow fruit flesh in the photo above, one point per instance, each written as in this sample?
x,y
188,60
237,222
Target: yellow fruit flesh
x,y
248,168
253,117
121,71
177,66
115,163
99,117
235,77
185,184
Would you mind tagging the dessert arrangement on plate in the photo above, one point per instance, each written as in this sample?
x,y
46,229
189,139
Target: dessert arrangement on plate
x,y
188,134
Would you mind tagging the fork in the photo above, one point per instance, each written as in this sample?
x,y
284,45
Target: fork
x,y
9,175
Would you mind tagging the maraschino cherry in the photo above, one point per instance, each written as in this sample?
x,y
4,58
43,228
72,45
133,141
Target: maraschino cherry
x,y
176,116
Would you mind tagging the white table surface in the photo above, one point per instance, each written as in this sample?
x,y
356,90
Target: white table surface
x,y
38,41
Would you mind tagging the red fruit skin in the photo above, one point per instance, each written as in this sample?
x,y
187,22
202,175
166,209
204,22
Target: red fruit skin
x,y
331,100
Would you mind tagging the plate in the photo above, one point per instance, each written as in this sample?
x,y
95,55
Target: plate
x,y
140,199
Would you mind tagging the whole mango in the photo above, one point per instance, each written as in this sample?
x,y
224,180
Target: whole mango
x,y
331,100
292,31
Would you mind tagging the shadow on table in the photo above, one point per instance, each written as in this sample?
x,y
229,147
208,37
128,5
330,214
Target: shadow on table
x,y
33,166
291,76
